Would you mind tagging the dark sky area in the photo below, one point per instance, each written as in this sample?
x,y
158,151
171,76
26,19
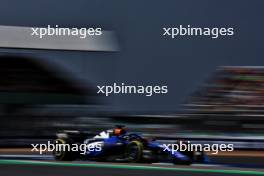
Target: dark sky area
x,y
146,57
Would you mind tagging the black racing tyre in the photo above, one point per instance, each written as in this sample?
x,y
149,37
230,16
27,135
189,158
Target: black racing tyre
x,y
134,152
64,155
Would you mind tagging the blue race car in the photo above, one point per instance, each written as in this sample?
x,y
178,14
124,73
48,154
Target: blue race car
x,y
116,145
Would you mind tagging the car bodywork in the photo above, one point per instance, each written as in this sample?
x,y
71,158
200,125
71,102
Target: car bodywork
x,y
128,147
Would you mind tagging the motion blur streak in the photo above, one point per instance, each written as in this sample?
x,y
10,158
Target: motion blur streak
x,y
20,37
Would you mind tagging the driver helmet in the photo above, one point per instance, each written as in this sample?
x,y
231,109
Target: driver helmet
x,y
119,130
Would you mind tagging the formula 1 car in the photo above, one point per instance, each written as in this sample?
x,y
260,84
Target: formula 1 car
x,y
119,146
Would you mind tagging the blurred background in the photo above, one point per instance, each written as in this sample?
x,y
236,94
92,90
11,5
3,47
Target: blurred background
x,y
215,85
39,99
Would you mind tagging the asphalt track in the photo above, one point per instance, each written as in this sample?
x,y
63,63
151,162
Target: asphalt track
x,y
35,165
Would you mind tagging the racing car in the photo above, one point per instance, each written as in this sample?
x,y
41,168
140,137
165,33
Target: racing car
x,y
119,146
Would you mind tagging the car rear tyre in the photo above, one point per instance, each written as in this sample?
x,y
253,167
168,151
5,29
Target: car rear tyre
x,y
63,155
134,151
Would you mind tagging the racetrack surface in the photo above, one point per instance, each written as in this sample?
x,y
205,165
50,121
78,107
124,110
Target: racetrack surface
x,y
43,165
49,168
